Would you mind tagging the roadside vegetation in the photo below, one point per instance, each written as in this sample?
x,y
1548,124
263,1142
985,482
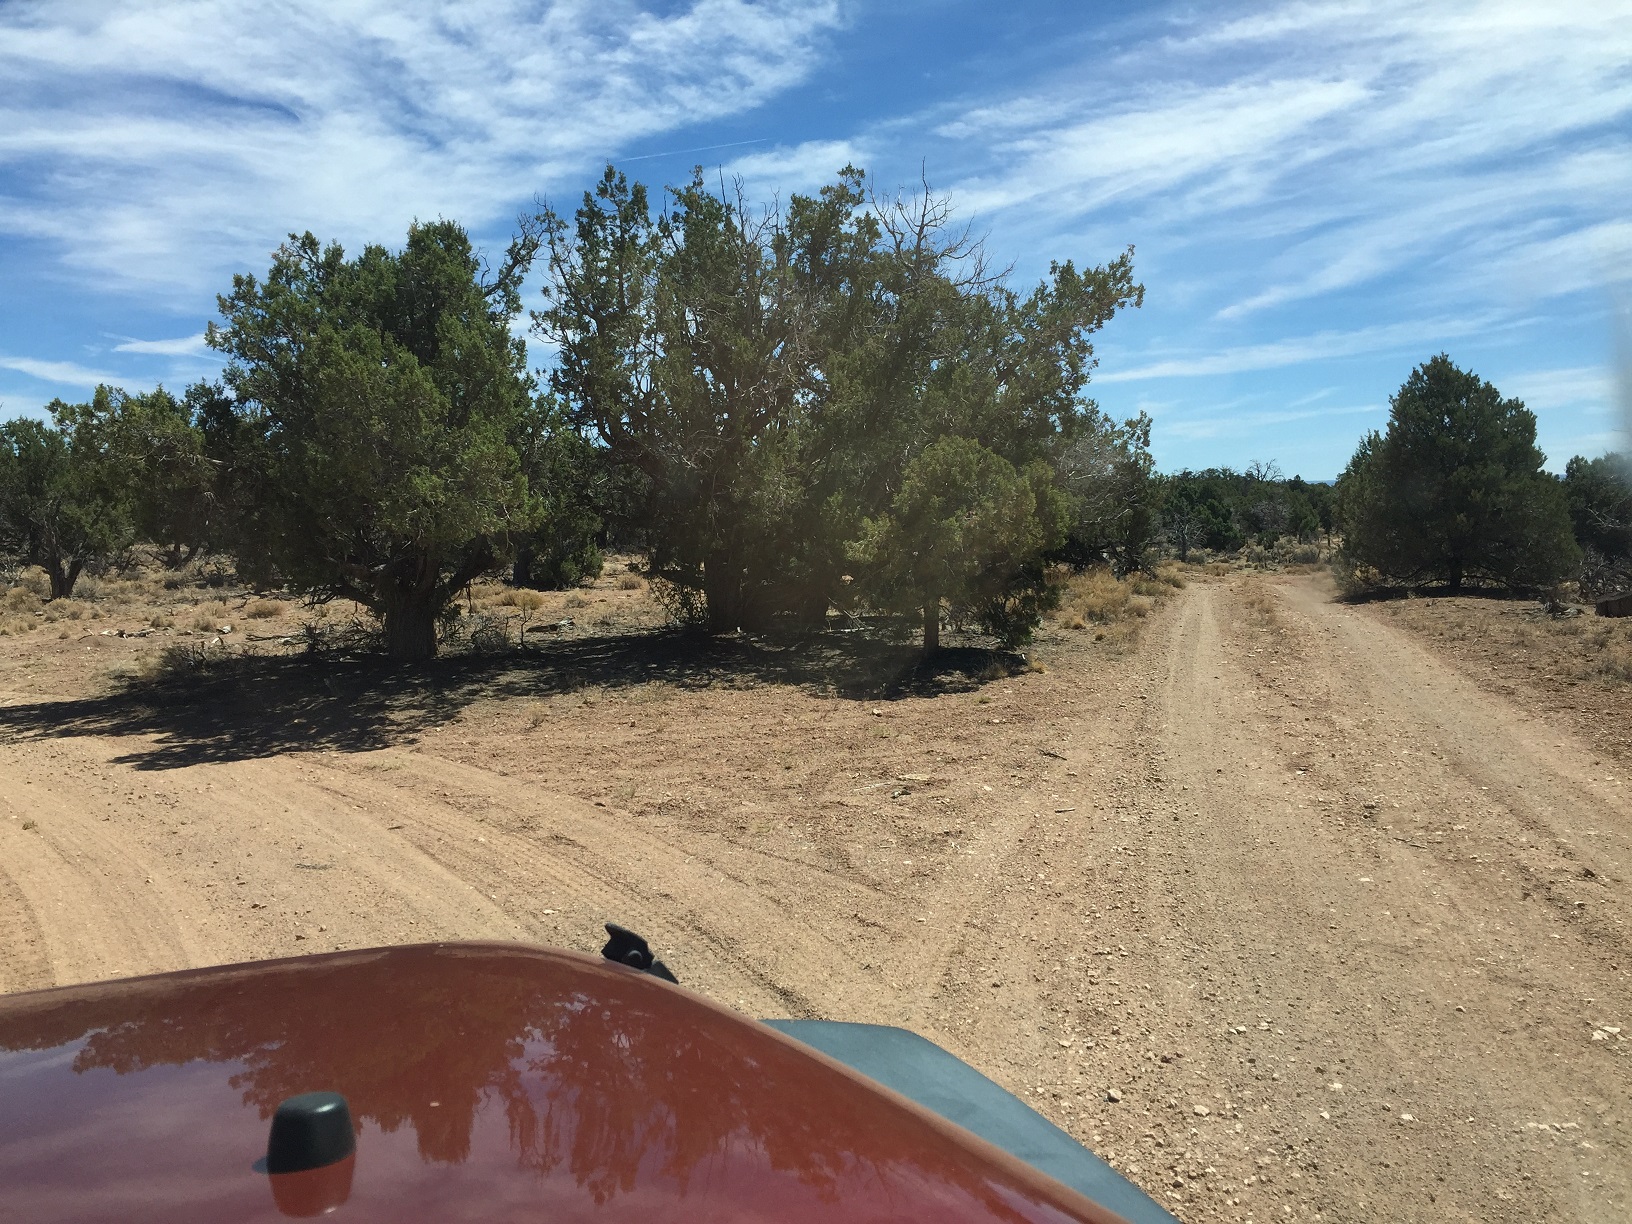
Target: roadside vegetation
x,y
786,420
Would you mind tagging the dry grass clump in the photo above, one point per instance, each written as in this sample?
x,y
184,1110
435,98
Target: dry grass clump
x,y
1260,602
1113,607
263,609
208,618
630,582
11,625
1608,650
1168,577
67,609
520,598
33,579
22,600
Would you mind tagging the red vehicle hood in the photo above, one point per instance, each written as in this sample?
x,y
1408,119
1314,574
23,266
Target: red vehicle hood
x,y
486,1082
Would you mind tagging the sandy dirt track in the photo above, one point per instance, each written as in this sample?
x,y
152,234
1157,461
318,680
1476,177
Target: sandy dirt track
x,y
1281,913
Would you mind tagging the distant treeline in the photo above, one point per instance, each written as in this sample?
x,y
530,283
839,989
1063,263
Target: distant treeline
x,y
829,404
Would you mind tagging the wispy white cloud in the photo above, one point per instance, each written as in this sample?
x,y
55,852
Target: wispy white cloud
x,y
62,373
802,167
157,143
1278,354
1589,387
183,346
1349,143
1244,424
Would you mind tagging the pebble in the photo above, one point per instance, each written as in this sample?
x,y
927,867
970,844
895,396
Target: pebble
x,y
1113,1096
1201,1111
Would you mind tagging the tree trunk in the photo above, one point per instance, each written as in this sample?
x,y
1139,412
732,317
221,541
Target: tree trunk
x,y
722,589
62,576
410,630
932,626
521,573
1455,580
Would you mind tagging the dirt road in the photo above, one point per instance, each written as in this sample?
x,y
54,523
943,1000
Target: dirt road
x,y
1281,913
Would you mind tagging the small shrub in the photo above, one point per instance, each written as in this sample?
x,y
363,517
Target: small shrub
x,y
1172,574
186,660
34,579
1290,551
1114,607
65,609
682,605
1353,578
263,609
520,598
630,582
488,634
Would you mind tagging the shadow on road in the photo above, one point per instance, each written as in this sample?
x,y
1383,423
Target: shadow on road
x,y
253,706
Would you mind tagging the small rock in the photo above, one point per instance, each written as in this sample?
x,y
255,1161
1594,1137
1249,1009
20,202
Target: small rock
x,y
1201,1111
1599,1035
1404,1117
225,629
915,777
1113,1096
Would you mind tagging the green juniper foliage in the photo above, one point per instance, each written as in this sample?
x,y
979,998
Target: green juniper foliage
x,y
372,411
1454,491
774,375
64,502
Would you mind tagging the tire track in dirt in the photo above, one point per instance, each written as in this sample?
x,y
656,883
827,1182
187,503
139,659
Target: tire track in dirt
x,y
1313,913
92,905
589,864
1186,900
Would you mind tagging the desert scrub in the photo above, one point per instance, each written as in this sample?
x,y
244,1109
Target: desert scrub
x,y
33,579
1289,550
1608,651
263,609
22,600
65,609
1113,607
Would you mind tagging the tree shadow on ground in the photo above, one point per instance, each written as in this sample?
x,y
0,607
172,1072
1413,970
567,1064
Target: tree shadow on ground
x,y
1390,594
254,706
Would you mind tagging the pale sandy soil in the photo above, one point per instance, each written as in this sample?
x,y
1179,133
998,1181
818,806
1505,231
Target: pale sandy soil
x,y
1342,932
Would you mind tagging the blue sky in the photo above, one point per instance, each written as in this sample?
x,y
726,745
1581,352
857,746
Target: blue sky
x,y
1321,195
